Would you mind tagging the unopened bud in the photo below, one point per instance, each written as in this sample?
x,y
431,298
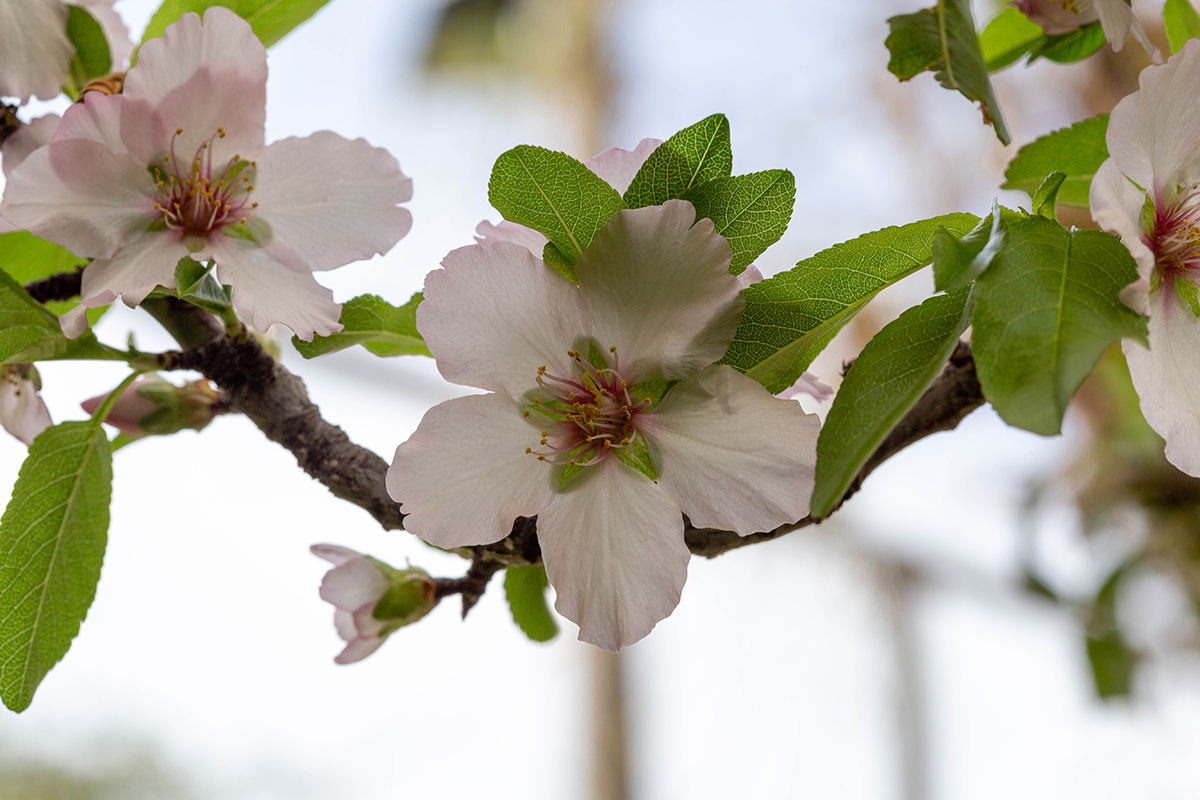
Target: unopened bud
x,y
22,411
153,406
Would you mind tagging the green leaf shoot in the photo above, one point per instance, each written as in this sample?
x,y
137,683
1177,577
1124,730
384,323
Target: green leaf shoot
x,y
1074,45
959,260
942,40
372,322
271,20
1181,22
750,211
1045,311
695,155
1077,151
790,317
52,540
1044,197
196,283
525,589
554,194
885,381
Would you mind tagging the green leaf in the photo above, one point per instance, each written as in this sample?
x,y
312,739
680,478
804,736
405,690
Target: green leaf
x,y
1077,151
92,58
1071,46
27,258
553,257
28,332
1008,37
1045,311
371,321
270,20
751,211
195,283
525,588
1181,21
696,155
1113,661
1045,195
942,40
959,260
885,381
52,540
554,194
790,317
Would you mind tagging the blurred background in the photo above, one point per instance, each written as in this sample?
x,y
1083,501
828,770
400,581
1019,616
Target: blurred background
x,y
995,615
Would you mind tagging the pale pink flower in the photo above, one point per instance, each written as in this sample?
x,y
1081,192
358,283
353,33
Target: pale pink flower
x,y
1148,192
23,413
655,302
807,384
1063,16
175,166
17,147
356,586
35,54
151,405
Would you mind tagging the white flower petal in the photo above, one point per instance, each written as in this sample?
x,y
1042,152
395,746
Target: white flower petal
x,y
330,200
1167,377
618,167
748,277
810,385
358,649
463,477
144,262
660,291
334,553
613,546
34,50
23,413
1116,206
224,41
267,291
343,622
492,316
75,321
211,101
731,455
487,234
1154,133
353,585
29,137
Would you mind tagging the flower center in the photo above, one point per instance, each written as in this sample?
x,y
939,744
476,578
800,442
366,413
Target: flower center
x,y
1174,233
590,413
196,198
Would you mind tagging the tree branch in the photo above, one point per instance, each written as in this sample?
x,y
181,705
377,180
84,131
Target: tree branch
x,y
62,286
8,121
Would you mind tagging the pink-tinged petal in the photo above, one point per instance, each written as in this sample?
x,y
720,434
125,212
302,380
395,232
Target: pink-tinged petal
x,y
353,585
29,137
731,455
1056,17
89,219
748,277
330,201
1167,377
613,546
75,321
660,291
115,31
358,649
365,622
146,261
343,622
34,50
618,167
492,316
1117,19
212,100
22,410
487,234
224,41
129,409
5,225
1116,206
463,477
1154,133
334,553
807,384
268,292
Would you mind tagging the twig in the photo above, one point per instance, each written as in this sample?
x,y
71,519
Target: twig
x,y
8,121
62,286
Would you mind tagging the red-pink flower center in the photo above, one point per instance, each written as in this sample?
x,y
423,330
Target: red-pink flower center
x,y
196,198
590,413
1174,235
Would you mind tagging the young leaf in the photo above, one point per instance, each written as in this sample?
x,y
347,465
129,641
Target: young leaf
x,y
790,317
1077,151
196,284
1008,37
375,324
751,211
942,40
92,57
270,20
52,540
1181,21
1044,197
1044,312
958,261
1074,45
697,154
887,378
554,194
525,588
1113,661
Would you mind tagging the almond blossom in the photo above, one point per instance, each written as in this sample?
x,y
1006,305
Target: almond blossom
x,y
175,166
1148,192
576,427
35,54
372,599
23,413
1063,16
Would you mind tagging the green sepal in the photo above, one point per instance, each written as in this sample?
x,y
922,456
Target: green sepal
x,y
1188,293
569,471
636,454
652,390
595,357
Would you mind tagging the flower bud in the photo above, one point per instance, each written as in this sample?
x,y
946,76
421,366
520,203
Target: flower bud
x,y
22,412
371,598
1057,16
152,405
